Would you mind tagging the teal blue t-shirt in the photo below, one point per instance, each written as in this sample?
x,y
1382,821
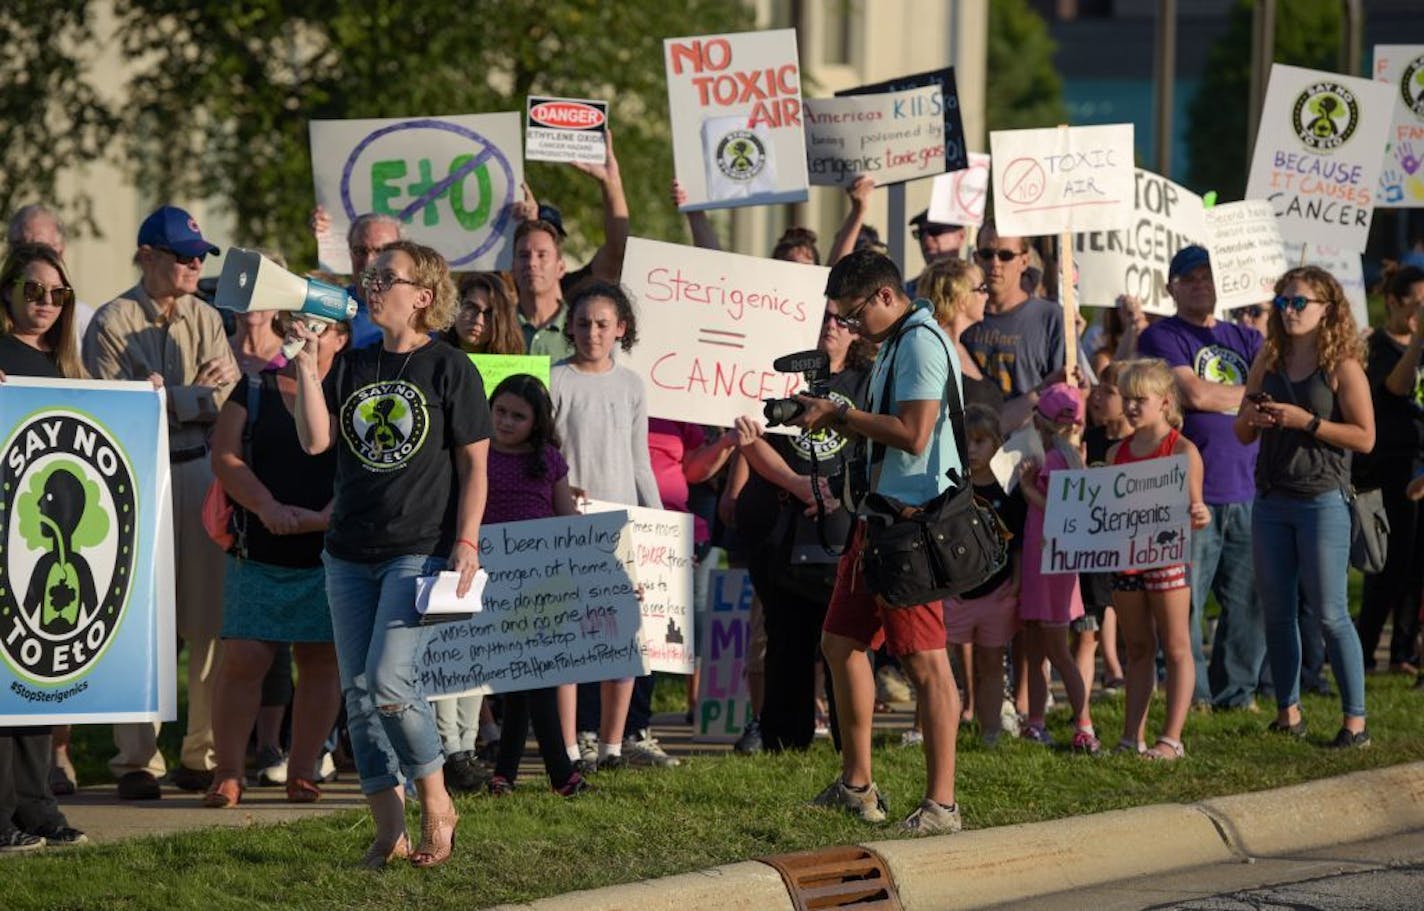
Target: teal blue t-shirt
x,y
921,372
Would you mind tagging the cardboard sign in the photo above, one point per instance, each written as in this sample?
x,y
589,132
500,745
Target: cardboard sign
x,y
559,607
1247,256
495,368
1318,154
450,180
1117,517
735,102
724,705
566,129
1056,180
893,137
1401,67
1166,218
711,323
86,569
959,197
661,560
955,148
1347,268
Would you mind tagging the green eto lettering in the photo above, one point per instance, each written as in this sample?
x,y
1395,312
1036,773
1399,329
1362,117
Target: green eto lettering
x,y
382,173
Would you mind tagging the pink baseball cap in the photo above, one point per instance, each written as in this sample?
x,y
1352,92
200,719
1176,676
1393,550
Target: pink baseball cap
x,y
1062,404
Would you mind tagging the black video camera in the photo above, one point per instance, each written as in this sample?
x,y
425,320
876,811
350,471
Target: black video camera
x,y
815,367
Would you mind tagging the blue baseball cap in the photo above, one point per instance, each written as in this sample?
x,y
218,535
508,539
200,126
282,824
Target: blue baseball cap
x,y
551,214
175,229
1187,259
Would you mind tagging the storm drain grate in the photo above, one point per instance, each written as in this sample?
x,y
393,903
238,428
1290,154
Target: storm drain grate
x,y
837,878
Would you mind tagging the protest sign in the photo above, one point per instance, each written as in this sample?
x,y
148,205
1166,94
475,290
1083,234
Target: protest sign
x,y
1134,261
495,368
1247,256
566,129
1062,180
893,138
559,607
1401,67
450,180
955,149
86,570
1117,517
1347,268
959,197
724,704
711,323
661,560
735,103
1318,154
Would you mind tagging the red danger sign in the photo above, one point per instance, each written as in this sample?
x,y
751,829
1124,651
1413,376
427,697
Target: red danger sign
x,y
567,115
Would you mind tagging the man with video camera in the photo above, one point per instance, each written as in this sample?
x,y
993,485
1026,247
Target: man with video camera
x,y
912,450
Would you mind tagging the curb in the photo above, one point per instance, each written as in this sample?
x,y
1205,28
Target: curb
x,y
1011,863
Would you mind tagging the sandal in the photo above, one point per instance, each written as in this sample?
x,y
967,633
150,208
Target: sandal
x,y
301,790
431,853
378,855
1127,745
223,794
1173,752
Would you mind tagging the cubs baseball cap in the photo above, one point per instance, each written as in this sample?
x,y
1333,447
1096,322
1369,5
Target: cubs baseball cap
x,y
1187,259
175,229
1062,404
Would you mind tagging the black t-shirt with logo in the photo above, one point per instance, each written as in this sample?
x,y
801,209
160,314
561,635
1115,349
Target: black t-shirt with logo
x,y
19,359
1399,419
399,420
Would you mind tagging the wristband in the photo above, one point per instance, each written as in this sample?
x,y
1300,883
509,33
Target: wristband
x,y
468,543
1313,426
841,412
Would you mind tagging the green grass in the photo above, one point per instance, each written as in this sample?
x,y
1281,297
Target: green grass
x,y
711,810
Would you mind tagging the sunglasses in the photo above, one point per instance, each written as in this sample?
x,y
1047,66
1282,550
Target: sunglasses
x,y
180,259
934,231
473,311
1297,302
1252,312
981,288
35,293
367,251
383,283
1004,256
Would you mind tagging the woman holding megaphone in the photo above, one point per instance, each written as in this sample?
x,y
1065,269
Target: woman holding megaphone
x,y
411,427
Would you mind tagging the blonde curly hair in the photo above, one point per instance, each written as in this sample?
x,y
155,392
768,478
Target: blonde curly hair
x,y
430,271
946,283
1339,337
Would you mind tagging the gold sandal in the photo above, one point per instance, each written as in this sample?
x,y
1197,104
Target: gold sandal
x,y
431,852
378,855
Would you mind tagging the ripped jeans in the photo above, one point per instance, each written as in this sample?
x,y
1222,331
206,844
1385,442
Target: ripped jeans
x,y
379,641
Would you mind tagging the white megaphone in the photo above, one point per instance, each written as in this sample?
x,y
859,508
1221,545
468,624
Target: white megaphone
x,y
251,281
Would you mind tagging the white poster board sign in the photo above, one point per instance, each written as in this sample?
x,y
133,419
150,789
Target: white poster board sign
x,y
724,704
1345,265
710,324
1318,154
1117,517
959,197
560,607
1055,180
894,137
566,129
1401,67
1134,261
450,180
735,103
1247,255
661,561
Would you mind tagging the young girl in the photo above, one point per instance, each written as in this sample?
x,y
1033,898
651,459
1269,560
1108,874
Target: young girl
x,y
1106,425
529,479
601,414
1048,603
1153,605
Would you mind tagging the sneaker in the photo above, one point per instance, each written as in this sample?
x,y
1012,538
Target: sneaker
x,y
1296,730
823,722
1037,733
186,779
62,780
488,751
588,747
612,763
326,770
499,786
1086,742
642,749
1347,739
1113,685
584,767
931,818
271,767
463,773
869,805
750,741
911,738
891,686
138,785
61,837
575,786
1009,718
13,841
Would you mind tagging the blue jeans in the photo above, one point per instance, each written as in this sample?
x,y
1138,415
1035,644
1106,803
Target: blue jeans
x,y
1302,551
1221,565
379,641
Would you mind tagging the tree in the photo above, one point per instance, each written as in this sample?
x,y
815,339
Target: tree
x,y
1024,89
50,116
222,101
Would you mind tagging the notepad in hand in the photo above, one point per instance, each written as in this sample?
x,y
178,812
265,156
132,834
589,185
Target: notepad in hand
x,y
436,601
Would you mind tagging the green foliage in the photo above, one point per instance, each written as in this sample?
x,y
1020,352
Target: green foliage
x,y
1307,34
224,93
93,525
1024,88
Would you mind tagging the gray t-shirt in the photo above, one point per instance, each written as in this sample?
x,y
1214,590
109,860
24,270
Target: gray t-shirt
x,y
602,419
1019,348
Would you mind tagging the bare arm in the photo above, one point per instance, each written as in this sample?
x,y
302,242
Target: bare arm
x,y
859,193
701,226
1199,395
1200,515
470,464
908,429
1356,428
607,262
1402,378
316,426
565,503
707,459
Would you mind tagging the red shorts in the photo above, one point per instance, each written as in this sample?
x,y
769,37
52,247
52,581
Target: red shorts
x,y
855,613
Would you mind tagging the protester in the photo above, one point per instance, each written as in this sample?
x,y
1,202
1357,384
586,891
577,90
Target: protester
x,y
368,235
39,224
486,321
408,497
1122,324
938,241
1310,408
1106,426
1256,316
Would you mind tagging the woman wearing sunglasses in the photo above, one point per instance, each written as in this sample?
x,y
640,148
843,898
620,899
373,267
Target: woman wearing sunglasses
x,y
1308,402
485,322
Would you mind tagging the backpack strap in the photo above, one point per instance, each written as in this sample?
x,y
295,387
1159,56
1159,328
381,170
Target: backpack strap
x,y
951,398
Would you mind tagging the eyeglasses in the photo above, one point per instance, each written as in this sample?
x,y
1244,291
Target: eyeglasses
x,y
1251,312
180,259
383,283
473,311
1297,302
934,230
853,321
981,288
1004,256
35,293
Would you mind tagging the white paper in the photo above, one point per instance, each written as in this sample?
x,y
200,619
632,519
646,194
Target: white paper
x,y
1347,268
1247,255
891,137
1023,443
959,197
437,594
1401,67
1117,517
1054,180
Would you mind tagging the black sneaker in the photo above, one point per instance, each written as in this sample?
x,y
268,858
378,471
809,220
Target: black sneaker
x,y
585,767
61,836
612,763
575,786
1295,730
186,779
750,741
139,786
464,774
13,841
1348,739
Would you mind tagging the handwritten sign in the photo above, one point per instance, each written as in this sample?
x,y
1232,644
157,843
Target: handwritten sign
x,y
494,368
450,180
714,323
959,197
1247,256
735,102
1117,517
1347,268
1401,67
724,704
661,560
955,157
893,137
1318,154
1166,218
559,607
1056,180
566,129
